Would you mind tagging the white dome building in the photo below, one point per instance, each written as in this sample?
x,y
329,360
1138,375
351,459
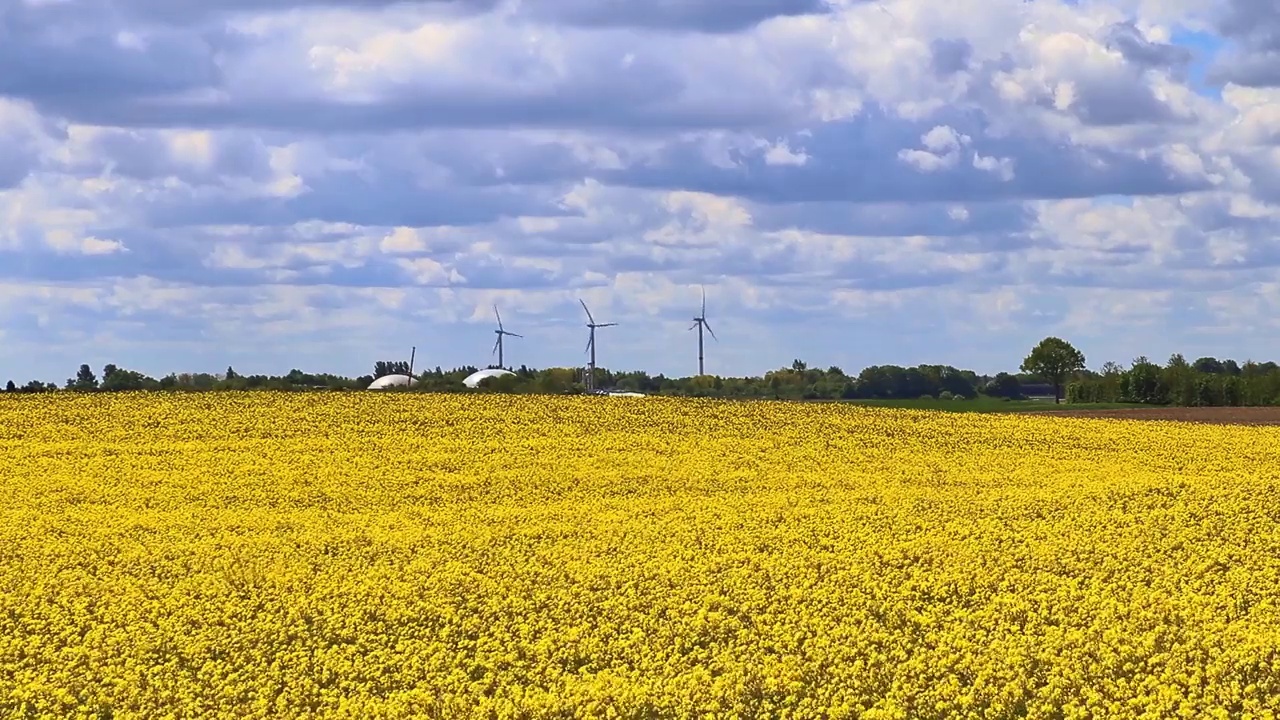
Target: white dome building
x,y
389,381
473,380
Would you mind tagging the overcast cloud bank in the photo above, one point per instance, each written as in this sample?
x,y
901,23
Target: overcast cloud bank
x,y
316,184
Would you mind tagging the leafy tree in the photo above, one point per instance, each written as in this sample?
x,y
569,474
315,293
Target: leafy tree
x,y
1206,391
874,382
1180,379
1231,391
955,382
1003,385
115,379
84,381
1110,384
1145,382
1209,365
556,380
502,384
1054,359
10,387
383,368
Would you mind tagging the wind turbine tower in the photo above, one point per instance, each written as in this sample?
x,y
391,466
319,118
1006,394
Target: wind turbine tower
x,y
700,323
591,345
497,347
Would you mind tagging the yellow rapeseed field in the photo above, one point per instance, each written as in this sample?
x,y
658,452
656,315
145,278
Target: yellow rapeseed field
x,y
394,556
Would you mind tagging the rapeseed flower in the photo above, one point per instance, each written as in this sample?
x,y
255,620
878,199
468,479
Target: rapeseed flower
x,y
260,555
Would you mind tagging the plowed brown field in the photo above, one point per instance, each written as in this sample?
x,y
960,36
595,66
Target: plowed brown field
x,y
1216,415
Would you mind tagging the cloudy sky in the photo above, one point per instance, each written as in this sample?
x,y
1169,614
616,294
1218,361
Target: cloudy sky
x,y
187,185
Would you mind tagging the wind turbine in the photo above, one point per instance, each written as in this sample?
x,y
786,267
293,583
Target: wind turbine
x,y
497,347
700,322
591,345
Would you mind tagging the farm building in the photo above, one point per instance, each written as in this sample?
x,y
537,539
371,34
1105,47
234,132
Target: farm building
x,y
473,380
390,381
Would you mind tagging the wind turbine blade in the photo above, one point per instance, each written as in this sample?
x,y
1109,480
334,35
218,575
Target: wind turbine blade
x,y
589,318
693,326
704,302
495,312
494,351
707,325
608,325
515,335
587,349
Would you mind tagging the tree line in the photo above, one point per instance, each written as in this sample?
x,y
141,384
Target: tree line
x,y
1205,382
1208,381
1053,368
796,382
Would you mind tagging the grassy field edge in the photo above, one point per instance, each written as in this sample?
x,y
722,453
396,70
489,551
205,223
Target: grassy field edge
x,y
992,405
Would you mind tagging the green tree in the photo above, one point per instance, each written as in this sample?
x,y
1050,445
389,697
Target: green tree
x,y
1109,383
1231,391
115,379
1180,378
1053,359
84,381
1206,391
382,368
1209,366
11,387
1145,383
1004,385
